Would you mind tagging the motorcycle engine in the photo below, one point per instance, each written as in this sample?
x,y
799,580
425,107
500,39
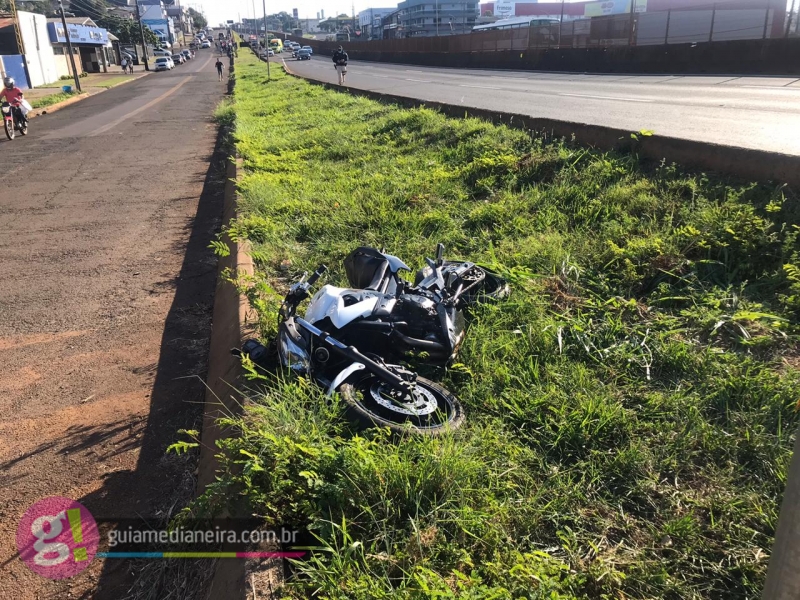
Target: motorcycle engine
x,y
420,314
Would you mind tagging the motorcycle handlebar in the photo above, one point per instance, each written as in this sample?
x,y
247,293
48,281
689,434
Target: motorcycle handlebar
x,y
316,275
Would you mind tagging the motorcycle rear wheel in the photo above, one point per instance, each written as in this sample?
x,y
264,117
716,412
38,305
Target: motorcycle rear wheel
x,y
9,129
362,400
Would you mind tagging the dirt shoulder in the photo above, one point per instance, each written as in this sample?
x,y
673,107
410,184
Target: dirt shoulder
x,y
105,311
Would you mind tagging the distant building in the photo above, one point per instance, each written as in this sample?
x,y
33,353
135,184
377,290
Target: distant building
x,y
154,15
658,21
370,21
422,18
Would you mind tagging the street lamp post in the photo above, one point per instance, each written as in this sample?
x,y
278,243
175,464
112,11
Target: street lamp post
x,y
266,42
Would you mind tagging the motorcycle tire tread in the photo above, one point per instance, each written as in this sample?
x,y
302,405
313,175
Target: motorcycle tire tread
x,y
351,395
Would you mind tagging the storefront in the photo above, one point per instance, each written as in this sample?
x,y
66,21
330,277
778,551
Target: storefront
x,y
88,45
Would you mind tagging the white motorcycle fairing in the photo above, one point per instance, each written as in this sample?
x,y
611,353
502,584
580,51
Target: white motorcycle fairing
x,y
329,302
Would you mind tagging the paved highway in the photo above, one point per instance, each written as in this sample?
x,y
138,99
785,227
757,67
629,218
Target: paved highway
x,y
752,112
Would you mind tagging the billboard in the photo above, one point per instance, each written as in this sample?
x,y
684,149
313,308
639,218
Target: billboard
x,y
505,8
78,34
294,13
612,7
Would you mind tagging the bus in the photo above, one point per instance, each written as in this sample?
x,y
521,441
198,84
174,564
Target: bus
x,y
276,45
516,23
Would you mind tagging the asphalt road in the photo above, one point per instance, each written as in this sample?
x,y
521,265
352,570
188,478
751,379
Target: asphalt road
x,y
751,112
107,209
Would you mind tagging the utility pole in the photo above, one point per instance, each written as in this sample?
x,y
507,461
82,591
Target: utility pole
x,y
630,35
789,21
266,41
69,46
141,32
561,23
437,18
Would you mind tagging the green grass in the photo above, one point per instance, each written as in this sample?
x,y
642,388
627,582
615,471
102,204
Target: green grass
x,y
630,409
51,99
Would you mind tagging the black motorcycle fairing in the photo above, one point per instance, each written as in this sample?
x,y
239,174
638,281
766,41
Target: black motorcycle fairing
x,y
368,268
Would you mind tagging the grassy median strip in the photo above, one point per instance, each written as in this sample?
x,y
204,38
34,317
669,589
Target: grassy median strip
x,y
630,409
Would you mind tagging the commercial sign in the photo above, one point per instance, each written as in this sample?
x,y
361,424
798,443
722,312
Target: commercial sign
x,y
612,7
505,8
78,34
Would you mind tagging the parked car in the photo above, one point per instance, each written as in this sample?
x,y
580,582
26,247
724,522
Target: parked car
x,y
163,63
162,52
178,59
310,51
303,54
186,54
205,44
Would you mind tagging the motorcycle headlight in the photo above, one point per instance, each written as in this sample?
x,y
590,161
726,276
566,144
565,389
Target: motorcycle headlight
x,y
293,355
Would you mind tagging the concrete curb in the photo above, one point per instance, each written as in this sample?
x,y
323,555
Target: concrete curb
x,y
232,321
741,163
46,110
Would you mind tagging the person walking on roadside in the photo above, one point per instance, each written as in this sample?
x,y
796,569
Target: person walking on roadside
x,y
219,67
340,64
124,64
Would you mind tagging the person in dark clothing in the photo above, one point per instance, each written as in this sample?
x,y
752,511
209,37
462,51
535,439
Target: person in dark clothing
x,y
219,67
340,64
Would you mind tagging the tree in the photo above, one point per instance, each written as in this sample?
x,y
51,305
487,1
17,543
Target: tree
x,y
198,19
127,30
94,9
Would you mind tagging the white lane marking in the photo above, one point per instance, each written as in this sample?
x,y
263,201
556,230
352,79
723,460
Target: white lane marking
x,y
418,80
482,87
608,98
381,76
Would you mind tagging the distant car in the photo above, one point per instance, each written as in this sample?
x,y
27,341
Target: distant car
x,y
303,54
270,52
162,52
186,54
178,59
205,44
310,51
164,63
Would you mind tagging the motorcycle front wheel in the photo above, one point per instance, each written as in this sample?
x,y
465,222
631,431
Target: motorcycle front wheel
x,y
9,129
431,409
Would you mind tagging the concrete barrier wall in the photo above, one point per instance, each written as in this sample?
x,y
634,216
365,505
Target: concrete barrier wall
x,y
736,57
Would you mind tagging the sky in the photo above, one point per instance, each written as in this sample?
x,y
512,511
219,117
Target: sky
x,y
219,11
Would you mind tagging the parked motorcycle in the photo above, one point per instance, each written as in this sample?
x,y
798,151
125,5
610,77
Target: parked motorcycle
x,y
12,123
386,318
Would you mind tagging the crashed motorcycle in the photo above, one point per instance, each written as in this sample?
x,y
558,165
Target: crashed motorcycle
x,y
349,335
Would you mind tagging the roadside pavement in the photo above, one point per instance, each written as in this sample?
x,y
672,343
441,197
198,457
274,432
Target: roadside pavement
x,y
105,309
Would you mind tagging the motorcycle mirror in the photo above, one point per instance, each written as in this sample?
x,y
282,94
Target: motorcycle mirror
x,y
439,254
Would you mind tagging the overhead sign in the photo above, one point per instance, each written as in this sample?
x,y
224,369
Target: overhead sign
x,y
78,34
230,21
294,13
505,8
612,7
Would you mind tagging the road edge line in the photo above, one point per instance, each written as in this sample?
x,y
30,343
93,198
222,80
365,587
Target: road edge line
x,y
733,161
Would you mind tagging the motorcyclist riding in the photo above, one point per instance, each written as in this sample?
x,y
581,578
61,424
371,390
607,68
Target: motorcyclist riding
x,y
340,63
13,95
